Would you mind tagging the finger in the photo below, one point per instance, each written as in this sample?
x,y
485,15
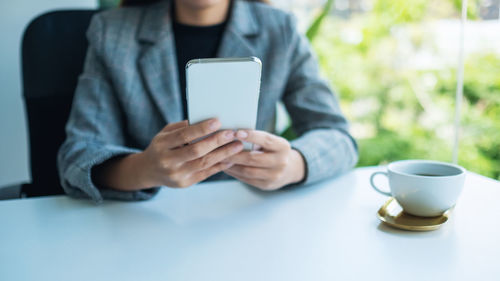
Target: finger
x,y
205,146
260,184
240,177
214,157
190,133
253,172
204,174
254,159
266,140
174,126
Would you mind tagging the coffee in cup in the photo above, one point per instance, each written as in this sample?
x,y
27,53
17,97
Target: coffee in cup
x,y
423,187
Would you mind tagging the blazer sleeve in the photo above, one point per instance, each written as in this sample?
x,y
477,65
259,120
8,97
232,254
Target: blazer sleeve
x,y
95,129
324,140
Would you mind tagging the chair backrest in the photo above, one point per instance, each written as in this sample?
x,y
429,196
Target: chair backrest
x,y
53,51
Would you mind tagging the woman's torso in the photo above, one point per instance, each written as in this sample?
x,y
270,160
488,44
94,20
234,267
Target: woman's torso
x,y
138,52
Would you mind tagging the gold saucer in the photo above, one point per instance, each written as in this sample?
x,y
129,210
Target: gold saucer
x,y
392,214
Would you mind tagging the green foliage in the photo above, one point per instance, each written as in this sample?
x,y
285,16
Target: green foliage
x,y
472,7
289,133
389,12
398,110
314,28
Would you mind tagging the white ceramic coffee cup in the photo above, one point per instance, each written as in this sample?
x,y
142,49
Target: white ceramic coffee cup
x,y
423,187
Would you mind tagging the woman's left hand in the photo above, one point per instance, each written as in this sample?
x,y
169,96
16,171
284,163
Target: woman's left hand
x,y
274,165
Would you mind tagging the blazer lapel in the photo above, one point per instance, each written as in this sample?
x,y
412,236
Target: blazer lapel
x,y
241,26
158,64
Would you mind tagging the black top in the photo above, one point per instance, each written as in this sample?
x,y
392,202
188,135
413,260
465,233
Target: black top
x,y
194,42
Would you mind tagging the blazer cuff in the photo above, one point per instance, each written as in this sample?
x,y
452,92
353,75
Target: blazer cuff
x,y
327,152
78,179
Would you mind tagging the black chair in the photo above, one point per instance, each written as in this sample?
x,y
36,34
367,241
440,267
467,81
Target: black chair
x,y
53,51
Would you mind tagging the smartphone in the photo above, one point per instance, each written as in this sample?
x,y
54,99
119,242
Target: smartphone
x,y
224,88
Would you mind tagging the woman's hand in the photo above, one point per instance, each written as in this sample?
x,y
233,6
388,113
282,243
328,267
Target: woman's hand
x,y
274,165
172,159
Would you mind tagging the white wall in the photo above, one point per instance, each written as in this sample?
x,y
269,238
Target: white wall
x,y
14,16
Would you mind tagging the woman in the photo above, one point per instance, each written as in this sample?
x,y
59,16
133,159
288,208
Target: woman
x,y
125,134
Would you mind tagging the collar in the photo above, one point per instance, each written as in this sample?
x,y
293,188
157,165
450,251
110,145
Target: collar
x,y
156,21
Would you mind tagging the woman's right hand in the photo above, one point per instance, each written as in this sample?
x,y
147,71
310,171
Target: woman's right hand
x,y
172,159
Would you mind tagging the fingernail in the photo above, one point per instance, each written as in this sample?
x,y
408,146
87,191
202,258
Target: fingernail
x,y
228,165
229,135
214,125
242,134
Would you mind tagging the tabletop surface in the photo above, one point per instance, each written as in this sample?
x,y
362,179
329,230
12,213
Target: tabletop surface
x,y
229,231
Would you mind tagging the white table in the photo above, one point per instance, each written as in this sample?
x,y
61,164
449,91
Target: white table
x,y
228,231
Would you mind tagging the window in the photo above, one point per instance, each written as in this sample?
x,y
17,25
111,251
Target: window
x,y
394,63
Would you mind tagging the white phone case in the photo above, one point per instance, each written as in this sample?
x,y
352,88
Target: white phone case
x,y
225,88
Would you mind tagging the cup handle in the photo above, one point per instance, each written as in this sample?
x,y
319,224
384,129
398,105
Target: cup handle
x,y
375,187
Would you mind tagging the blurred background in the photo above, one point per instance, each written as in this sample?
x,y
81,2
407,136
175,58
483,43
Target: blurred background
x,y
14,17
391,62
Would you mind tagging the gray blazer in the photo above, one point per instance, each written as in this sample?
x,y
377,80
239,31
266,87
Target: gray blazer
x,y
129,91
